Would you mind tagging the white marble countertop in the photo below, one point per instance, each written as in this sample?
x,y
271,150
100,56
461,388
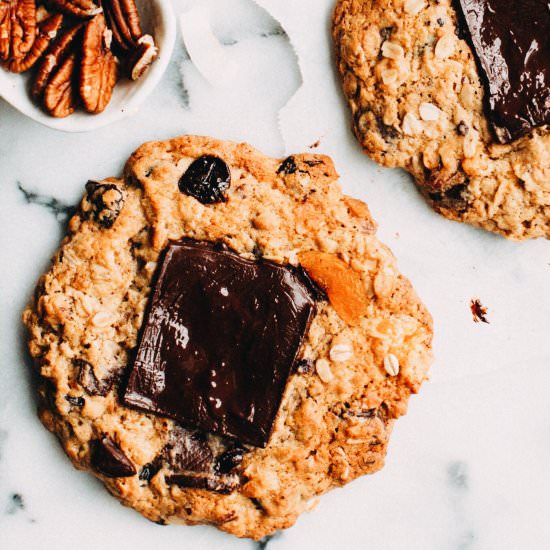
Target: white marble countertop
x,y
468,467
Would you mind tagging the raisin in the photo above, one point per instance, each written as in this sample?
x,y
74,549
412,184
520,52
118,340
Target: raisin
x,y
104,201
207,179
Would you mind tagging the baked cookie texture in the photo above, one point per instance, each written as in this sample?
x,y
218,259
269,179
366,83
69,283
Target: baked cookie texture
x,y
367,349
417,103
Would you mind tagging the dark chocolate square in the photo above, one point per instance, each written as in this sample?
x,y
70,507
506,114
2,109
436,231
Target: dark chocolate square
x,y
219,341
511,40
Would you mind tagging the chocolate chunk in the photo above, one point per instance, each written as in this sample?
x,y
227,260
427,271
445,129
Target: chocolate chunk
x,y
104,201
89,381
230,460
209,483
75,401
219,341
189,451
108,459
288,166
148,471
511,41
207,179
304,366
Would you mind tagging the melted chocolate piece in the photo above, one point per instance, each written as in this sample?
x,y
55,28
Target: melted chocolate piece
x,y
189,451
207,179
207,482
230,460
220,340
108,459
511,40
89,381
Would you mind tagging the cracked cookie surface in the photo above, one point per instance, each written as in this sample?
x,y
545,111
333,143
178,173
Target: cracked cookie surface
x,y
368,346
417,102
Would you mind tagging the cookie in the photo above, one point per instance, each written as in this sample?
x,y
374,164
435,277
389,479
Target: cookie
x,y
458,94
221,337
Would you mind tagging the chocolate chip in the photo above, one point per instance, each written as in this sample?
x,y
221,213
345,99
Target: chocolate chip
x,y
148,471
462,129
229,460
304,366
104,202
209,483
207,179
440,21
288,166
88,380
386,32
108,459
222,332
75,401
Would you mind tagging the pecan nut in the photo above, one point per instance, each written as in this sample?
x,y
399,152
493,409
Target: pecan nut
x,y
17,28
123,20
83,9
47,31
59,95
99,67
57,54
142,56
343,285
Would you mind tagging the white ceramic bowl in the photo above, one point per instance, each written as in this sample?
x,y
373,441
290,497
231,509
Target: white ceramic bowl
x,y
157,18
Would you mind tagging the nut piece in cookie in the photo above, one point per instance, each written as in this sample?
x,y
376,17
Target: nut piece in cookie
x,y
219,341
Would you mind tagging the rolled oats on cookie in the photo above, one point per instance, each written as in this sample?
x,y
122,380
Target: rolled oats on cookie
x,y
221,337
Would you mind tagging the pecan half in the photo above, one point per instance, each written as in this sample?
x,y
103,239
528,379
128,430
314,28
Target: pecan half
x,y
141,58
99,67
343,285
17,28
47,31
123,18
59,95
60,50
79,8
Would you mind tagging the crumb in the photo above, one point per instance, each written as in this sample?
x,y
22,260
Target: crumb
x,y
479,311
315,145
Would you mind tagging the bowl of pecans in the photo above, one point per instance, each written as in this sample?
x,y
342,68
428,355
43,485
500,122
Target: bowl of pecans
x,y
78,65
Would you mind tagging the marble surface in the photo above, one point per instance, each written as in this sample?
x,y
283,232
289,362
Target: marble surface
x,y
467,467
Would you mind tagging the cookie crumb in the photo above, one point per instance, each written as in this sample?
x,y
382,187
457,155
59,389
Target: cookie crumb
x,y
479,311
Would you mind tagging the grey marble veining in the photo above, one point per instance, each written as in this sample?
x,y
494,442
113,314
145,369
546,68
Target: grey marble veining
x,y
467,467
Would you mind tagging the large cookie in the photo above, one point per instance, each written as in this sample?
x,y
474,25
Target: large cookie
x,y
458,94
222,338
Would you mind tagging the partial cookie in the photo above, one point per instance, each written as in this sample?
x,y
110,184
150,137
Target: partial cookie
x,y
415,74
222,338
